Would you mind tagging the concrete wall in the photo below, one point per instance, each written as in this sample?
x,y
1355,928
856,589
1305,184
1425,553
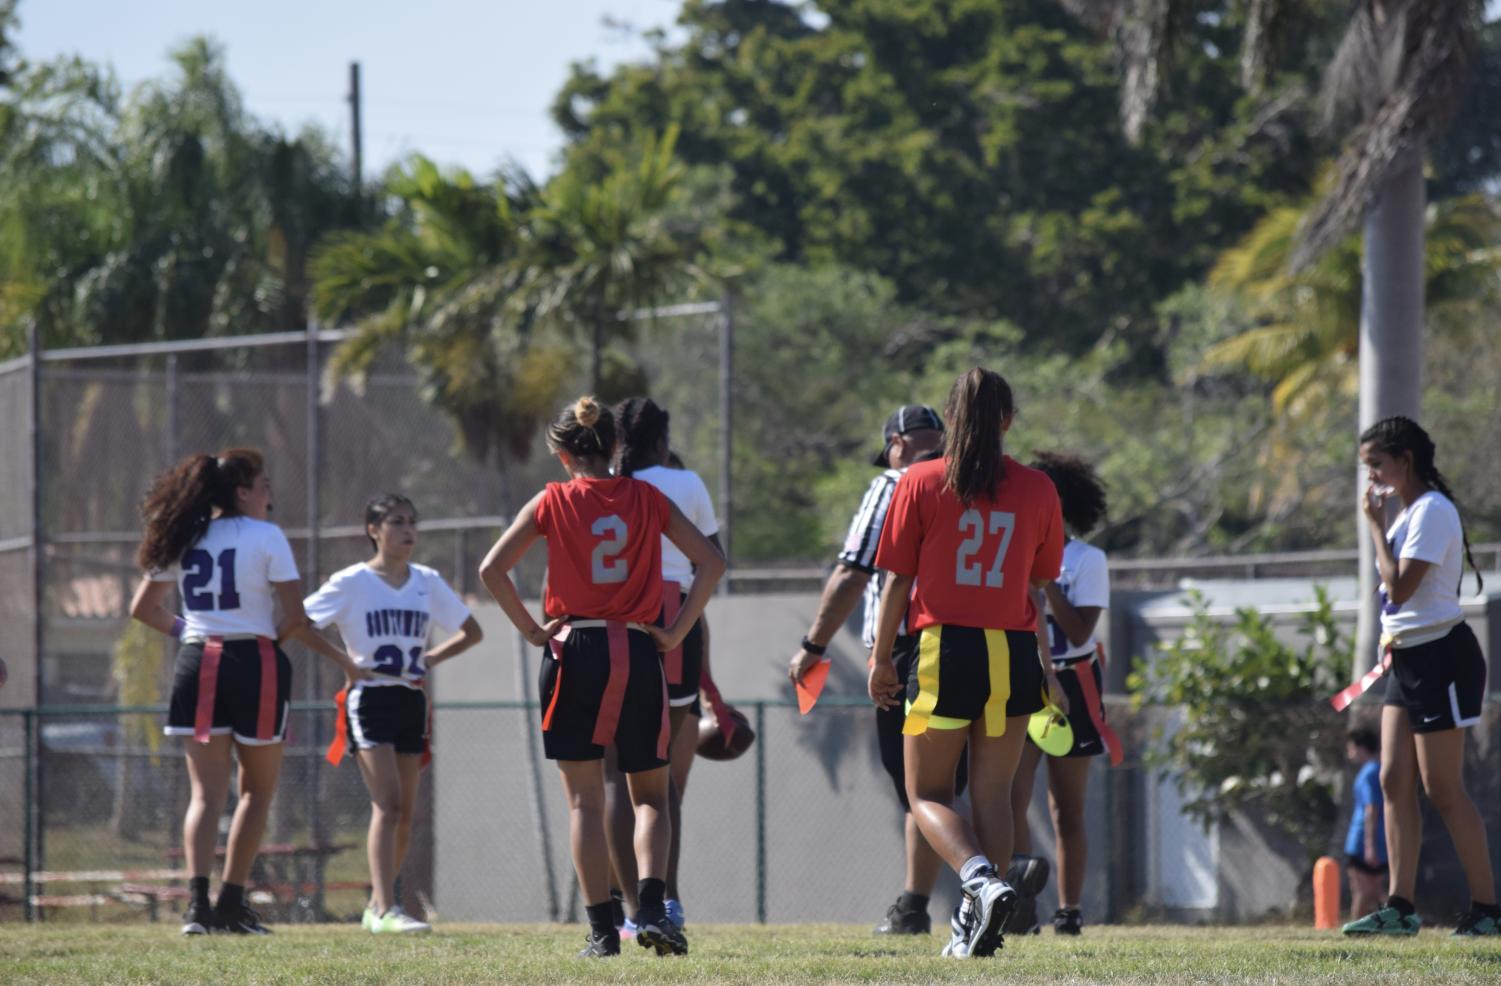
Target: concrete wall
x,y
833,826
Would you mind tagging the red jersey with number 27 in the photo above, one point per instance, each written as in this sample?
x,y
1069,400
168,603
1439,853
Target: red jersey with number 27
x,y
973,565
604,548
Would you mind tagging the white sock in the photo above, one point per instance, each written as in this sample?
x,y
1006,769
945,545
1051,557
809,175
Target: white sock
x,y
972,867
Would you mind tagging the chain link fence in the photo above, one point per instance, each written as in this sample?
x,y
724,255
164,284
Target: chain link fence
x,y
771,836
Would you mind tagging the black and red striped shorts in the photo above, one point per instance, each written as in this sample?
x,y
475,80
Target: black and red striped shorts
x,y
602,685
239,686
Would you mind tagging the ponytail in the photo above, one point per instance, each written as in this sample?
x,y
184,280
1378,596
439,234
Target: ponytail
x,y
181,502
978,408
1398,435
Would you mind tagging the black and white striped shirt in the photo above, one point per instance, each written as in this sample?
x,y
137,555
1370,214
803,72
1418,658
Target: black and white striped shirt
x,y
860,547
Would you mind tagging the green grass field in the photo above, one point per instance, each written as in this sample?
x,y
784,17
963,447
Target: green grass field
x,y
789,954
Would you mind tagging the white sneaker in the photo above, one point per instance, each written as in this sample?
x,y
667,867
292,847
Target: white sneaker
x,y
398,922
992,900
958,946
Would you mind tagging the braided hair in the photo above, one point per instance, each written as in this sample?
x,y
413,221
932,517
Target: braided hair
x,y
584,429
182,500
643,431
1397,436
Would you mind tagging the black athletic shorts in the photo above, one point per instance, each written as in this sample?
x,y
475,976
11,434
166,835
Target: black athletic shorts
x,y
966,674
393,714
889,728
603,685
1087,740
238,687
684,666
1358,863
1440,683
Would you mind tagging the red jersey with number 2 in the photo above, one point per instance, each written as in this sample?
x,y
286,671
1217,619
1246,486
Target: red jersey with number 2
x,y
604,548
974,565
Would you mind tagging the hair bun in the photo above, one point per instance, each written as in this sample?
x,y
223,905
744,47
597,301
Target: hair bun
x,y
586,410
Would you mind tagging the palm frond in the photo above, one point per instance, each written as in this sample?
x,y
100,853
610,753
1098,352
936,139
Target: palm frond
x,y
1436,37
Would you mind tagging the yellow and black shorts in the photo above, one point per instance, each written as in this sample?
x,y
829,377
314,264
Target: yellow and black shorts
x,y
966,673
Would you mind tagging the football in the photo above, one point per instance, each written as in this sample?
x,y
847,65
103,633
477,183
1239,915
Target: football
x,y
712,744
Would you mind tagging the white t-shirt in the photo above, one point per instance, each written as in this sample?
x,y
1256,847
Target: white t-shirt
x,y
1085,581
684,488
225,579
1428,530
385,629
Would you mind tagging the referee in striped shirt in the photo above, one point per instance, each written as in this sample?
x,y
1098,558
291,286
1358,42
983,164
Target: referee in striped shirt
x,y
912,433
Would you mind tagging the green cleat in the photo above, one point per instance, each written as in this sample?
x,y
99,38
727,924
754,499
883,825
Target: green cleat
x,y
367,921
1385,921
1477,924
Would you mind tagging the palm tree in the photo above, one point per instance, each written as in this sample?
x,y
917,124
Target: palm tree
x,y
171,214
600,247
439,281
1306,339
1394,84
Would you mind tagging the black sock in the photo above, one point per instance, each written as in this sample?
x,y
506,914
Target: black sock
x,y
1486,910
1402,904
912,903
601,921
649,894
231,898
198,889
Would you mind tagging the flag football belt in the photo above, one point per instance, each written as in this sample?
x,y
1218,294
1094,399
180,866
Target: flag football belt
x,y
613,699
208,683
718,706
339,745
1390,641
672,604
1094,706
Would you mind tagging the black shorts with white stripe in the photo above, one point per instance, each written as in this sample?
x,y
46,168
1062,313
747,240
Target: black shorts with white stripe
x,y
394,714
1441,683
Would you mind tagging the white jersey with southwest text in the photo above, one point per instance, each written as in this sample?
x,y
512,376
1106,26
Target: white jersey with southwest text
x,y
385,629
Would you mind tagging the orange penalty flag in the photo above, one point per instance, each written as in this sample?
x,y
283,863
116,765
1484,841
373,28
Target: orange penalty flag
x,y
811,686
340,744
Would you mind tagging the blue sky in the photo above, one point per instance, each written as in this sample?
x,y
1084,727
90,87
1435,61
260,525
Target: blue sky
x,y
465,82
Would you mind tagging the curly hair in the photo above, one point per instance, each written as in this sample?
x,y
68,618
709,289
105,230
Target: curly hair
x,y
1081,492
181,502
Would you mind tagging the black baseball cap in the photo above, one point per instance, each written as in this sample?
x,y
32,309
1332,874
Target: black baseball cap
x,y
908,417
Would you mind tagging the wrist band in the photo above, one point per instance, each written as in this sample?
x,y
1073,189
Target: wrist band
x,y
812,648
178,626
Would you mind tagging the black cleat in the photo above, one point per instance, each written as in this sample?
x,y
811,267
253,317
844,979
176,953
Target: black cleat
x,y
200,919
600,946
657,931
1068,921
242,922
903,922
1022,920
1028,874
